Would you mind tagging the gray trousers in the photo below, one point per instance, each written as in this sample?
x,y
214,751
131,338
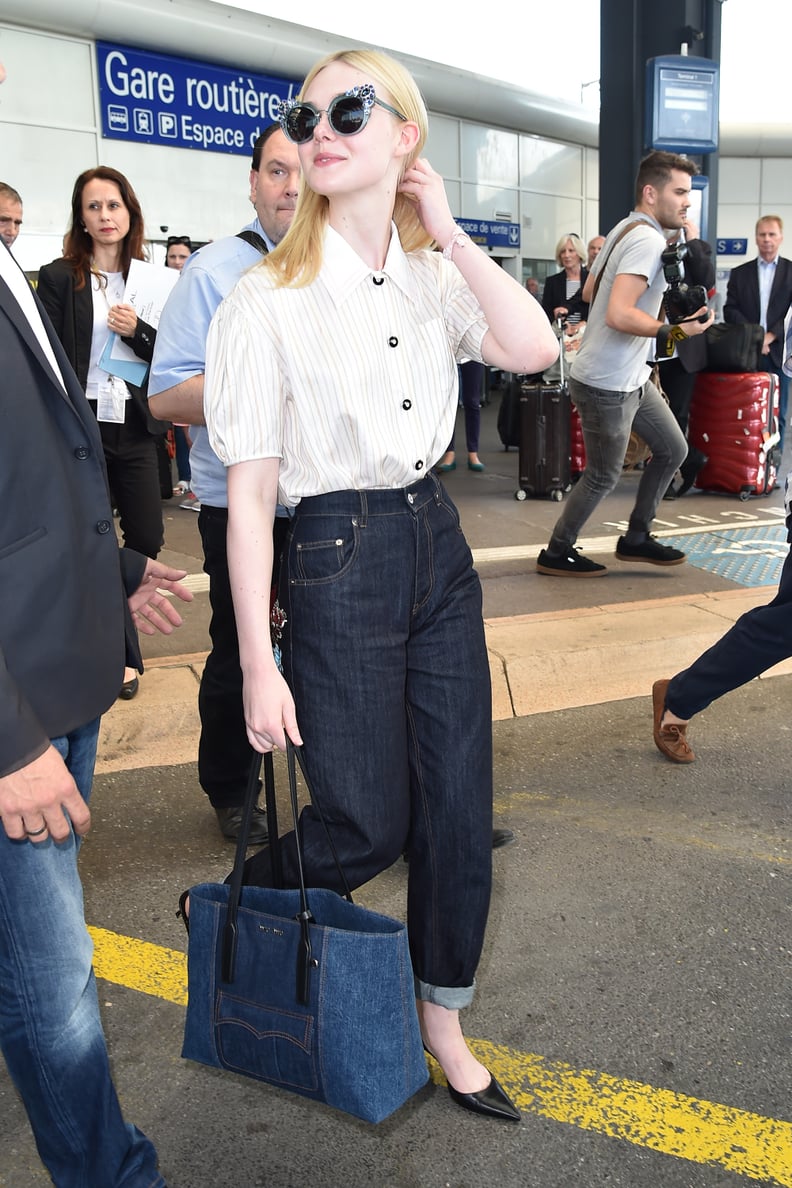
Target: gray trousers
x,y
606,419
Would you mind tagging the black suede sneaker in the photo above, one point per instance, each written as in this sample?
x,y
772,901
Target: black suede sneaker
x,y
650,551
572,563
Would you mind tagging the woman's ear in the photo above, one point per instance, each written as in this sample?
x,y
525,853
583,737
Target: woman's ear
x,y
409,135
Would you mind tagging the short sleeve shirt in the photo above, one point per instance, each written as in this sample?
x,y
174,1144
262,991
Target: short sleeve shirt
x,y
350,381
608,358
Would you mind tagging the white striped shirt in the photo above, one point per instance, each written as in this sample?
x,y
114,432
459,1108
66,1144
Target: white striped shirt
x,y
351,381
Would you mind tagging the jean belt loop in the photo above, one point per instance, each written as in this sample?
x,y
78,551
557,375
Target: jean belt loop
x,y
363,520
436,485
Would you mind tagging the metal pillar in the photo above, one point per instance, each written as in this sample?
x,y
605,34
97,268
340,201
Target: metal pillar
x,y
631,32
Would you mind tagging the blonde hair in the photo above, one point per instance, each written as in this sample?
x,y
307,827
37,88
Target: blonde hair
x,y
577,244
771,218
298,257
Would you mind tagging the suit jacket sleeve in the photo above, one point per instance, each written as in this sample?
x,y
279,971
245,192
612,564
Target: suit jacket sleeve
x,y
778,307
549,301
51,298
555,294
735,299
142,341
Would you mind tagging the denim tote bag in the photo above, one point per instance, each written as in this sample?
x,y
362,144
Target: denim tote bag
x,y
302,988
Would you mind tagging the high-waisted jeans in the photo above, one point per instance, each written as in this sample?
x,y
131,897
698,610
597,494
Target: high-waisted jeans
x,y
384,652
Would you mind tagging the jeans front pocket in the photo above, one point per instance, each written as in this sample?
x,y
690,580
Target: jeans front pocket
x,y
269,1043
321,558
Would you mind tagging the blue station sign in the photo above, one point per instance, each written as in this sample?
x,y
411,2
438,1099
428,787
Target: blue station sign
x,y
487,233
160,99
731,247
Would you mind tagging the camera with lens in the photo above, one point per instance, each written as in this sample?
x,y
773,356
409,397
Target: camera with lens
x,y
680,299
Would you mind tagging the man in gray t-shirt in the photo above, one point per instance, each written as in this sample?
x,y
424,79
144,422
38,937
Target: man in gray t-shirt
x,y
609,381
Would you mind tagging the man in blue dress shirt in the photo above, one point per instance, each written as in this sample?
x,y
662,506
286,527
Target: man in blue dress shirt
x,y
176,393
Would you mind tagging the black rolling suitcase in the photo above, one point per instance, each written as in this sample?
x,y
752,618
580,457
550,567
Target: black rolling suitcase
x,y
545,439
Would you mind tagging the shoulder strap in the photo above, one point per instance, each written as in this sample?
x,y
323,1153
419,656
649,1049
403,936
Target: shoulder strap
x,y
254,239
600,271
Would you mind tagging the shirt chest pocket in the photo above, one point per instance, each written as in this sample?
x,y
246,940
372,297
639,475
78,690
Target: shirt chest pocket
x,y
422,356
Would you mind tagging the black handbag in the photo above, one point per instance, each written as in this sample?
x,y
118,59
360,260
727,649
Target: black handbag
x,y
302,988
734,347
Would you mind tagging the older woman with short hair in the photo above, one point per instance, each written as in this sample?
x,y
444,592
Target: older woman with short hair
x,y
563,291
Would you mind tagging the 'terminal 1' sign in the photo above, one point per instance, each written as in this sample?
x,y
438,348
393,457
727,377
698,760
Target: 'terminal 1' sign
x,y
159,99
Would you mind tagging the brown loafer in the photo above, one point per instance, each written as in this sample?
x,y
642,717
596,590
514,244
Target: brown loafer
x,y
670,739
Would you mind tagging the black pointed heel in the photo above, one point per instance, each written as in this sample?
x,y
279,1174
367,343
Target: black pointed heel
x,y
182,912
491,1101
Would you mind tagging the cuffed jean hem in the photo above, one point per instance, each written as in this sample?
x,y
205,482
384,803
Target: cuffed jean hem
x,y
453,998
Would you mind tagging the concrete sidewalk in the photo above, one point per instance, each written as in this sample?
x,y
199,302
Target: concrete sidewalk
x,y
551,660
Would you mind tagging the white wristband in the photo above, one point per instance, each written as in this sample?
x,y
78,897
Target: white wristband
x,y
460,238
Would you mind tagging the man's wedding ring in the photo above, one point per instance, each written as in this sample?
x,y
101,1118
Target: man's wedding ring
x,y
36,832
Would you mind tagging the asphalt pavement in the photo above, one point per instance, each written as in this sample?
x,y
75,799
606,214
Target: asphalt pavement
x,y
634,990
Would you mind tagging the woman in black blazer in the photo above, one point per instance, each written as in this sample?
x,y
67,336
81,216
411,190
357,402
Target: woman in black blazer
x,y
562,296
83,295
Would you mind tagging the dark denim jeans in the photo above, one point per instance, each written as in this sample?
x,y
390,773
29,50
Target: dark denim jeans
x,y
50,1029
606,419
759,639
384,651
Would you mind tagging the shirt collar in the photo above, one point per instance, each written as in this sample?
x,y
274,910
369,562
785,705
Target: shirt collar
x,y
647,218
343,270
766,263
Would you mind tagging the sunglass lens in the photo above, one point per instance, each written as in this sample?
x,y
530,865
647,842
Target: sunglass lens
x,y
300,123
347,115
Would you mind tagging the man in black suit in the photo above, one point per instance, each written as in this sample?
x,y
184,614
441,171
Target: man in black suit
x,y
760,293
70,601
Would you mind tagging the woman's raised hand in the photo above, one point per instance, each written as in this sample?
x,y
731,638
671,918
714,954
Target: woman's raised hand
x,y
427,189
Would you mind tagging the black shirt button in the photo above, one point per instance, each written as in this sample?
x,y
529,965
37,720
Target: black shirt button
x,y
419,465
103,526
393,341
378,280
81,453
406,404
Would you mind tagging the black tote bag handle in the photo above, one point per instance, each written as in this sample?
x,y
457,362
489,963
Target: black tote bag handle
x,y
230,931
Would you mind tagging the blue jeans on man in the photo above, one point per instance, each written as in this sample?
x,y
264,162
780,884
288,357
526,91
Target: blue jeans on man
x,y
50,1030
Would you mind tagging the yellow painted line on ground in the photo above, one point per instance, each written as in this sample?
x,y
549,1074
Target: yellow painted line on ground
x,y
702,1132
139,965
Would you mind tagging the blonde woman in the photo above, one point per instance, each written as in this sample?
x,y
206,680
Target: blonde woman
x,y
332,381
562,297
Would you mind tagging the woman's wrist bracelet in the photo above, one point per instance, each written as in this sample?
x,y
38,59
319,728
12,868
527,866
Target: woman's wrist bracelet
x,y
459,238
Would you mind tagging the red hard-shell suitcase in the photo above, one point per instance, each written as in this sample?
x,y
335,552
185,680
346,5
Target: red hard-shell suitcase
x,y
577,446
734,421
544,460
